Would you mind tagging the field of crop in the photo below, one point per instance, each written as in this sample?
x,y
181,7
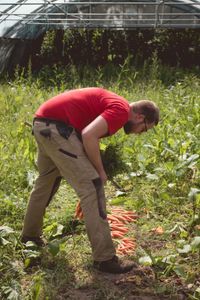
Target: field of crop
x,y
161,183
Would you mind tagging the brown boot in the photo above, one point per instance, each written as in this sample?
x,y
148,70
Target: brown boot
x,y
112,266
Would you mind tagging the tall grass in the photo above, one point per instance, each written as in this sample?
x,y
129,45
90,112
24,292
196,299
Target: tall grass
x,y
170,153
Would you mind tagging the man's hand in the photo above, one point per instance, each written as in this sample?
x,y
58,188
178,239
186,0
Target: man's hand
x,y
90,136
103,177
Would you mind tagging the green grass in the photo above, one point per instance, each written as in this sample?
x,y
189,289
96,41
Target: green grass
x,y
162,185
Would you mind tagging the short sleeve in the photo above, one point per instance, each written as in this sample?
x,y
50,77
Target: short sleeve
x,y
116,115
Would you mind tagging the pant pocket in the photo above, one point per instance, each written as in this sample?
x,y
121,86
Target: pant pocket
x,y
65,131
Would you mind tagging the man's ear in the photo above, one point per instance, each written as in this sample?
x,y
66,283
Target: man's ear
x,y
140,117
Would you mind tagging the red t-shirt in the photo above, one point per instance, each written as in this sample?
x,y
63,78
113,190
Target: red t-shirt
x,y
80,107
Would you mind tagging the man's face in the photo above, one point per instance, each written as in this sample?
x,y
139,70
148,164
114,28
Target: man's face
x,y
137,127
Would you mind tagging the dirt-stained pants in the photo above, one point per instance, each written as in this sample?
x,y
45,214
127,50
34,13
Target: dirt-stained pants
x,y
65,157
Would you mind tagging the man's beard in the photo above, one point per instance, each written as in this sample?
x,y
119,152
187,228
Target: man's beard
x,y
128,126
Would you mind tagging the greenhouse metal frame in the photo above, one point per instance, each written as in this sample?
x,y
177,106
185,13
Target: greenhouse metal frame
x,y
28,18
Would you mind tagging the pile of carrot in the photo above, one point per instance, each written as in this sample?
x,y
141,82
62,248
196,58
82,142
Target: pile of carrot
x,y
118,218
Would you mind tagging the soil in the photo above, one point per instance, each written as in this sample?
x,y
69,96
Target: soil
x,y
139,284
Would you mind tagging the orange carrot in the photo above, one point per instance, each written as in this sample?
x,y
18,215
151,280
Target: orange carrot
x,y
127,246
123,211
117,231
122,250
116,234
119,228
129,219
132,216
78,212
112,218
123,219
126,239
120,224
122,231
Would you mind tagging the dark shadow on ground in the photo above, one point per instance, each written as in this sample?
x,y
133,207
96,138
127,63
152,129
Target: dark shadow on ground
x,y
138,284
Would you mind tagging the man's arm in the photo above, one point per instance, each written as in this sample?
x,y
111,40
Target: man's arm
x,y
90,136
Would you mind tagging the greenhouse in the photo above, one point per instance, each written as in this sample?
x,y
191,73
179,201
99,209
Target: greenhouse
x,y
26,20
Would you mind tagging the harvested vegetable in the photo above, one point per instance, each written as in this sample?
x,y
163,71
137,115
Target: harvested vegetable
x,y
158,230
117,220
78,212
117,234
127,246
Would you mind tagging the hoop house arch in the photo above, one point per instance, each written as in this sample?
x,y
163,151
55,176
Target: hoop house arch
x,y
24,21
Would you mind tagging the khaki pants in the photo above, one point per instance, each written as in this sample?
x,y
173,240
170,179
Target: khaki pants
x,y
61,157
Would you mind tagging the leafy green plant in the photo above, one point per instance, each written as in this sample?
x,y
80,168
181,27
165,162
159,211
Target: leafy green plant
x,y
12,291
113,162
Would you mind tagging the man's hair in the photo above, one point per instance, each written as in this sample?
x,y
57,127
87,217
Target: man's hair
x,y
148,109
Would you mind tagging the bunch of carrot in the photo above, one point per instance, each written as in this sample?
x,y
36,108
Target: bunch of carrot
x,y
117,220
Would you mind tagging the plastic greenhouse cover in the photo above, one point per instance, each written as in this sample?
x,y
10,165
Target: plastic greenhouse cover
x,y
27,19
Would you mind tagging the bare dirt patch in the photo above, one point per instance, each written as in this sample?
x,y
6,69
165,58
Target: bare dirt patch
x,y
139,284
